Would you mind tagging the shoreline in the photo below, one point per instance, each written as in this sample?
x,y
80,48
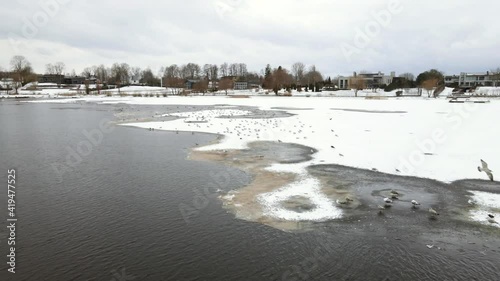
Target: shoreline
x,y
283,193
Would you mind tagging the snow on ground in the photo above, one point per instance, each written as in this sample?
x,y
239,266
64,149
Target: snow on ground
x,y
488,91
488,203
429,138
306,187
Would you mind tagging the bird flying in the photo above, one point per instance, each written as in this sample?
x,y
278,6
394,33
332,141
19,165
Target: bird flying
x,y
484,168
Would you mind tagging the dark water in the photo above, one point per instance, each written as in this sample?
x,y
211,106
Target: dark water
x,y
133,208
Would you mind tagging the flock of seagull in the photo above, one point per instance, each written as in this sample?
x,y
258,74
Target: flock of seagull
x,y
394,195
249,128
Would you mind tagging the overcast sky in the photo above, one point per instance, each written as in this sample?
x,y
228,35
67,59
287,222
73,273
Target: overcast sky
x,y
339,37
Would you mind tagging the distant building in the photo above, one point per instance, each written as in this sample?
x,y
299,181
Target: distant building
x,y
475,79
190,83
372,80
343,83
51,78
241,85
239,82
74,80
451,80
6,83
61,79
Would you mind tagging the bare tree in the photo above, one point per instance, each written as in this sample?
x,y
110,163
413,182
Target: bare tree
x,y
206,71
148,77
191,70
102,73
233,69
49,69
136,74
357,83
242,69
278,79
21,68
224,69
88,72
120,74
173,78
59,68
313,76
226,84
298,69
56,69
214,75
429,85
172,71
201,86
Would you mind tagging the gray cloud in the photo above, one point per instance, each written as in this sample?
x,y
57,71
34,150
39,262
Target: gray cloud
x,y
451,35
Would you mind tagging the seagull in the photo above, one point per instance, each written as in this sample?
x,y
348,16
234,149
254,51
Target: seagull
x,y
381,210
342,202
491,216
332,147
415,204
433,212
387,200
485,169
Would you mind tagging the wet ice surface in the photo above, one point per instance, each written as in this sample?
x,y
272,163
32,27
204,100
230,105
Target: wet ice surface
x,y
452,201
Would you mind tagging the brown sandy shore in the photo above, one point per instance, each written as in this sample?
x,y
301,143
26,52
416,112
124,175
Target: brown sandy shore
x,y
244,203
366,189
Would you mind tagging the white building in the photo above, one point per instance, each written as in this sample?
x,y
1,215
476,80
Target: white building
x,y
475,79
372,80
240,85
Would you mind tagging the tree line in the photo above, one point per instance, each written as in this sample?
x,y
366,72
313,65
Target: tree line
x,y
212,77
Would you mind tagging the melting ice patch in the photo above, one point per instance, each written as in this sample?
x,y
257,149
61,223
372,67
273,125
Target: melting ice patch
x,y
487,203
305,191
